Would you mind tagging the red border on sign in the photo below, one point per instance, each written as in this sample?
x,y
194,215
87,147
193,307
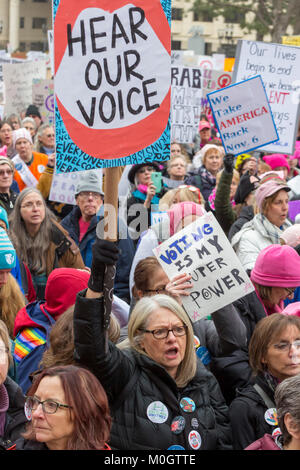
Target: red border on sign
x,y
121,142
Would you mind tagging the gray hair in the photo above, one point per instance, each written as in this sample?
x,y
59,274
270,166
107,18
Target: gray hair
x,y
287,399
29,119
32,251
38,145
139,320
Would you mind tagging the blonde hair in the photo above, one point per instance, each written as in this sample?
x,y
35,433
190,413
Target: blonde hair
x,y
139,319
4,335
236,176
184,193
11,301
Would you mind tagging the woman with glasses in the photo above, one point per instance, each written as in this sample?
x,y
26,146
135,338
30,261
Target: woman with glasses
x,y
8,195
274,355
12,417
161,396
41,242
45,140
67,409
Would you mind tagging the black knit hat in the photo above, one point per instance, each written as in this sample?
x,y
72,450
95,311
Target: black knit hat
x,y
245,187
133,170
33,110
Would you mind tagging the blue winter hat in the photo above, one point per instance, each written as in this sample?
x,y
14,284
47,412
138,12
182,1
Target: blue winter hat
x,y
7,252
3,216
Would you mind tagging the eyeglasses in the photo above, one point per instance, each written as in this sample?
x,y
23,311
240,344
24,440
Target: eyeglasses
x,y
286,346
163,333
146,168
290,290
49,406
159,290
87,194
6,172
29,205
49,135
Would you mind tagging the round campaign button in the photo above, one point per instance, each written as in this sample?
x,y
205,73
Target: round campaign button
x,y
196,342
194,423
175,447
195,440
41,168
178,424
271,417
276,432
157,412
204,355
28,412
187,405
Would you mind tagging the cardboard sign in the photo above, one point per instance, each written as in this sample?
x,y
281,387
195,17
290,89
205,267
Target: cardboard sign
x,y
203,250
243,116
117,58
185,103
18,80
63,186
278,65
43,98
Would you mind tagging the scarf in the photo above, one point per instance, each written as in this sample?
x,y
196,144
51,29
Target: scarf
x,y
267,229
4,404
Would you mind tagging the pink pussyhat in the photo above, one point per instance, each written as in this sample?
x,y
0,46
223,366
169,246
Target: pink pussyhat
x,y
277,266
275,160
181,210
3,151
292,309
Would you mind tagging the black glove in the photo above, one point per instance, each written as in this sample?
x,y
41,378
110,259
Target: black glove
x,y
229,162
104,253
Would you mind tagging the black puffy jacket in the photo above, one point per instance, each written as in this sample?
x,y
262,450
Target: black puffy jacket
x,y
130,398
15,417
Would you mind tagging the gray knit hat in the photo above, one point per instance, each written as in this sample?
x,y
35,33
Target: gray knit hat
x,y
90,181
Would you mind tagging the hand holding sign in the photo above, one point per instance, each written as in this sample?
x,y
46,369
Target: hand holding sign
x,y
179,285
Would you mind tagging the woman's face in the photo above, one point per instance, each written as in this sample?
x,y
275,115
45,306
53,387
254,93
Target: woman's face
x,y
6,135
233,187
6,177
278,295
283,355
175,150
52,429
33,210
277,211
177,169
156,283
144,175
30,127
213,162
24,149
15,123
168,352
3,362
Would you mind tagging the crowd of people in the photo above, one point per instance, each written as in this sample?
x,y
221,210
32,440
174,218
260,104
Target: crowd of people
x,y
81,371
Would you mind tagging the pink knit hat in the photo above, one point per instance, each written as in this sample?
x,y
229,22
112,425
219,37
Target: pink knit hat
x,y
181,210
275,160
277,266
268,188
292,309
291,235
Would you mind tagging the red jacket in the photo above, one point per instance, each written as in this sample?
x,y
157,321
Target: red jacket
x,y
266,442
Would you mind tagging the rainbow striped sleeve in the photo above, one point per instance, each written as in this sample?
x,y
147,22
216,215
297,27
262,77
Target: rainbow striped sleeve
x,y
27,340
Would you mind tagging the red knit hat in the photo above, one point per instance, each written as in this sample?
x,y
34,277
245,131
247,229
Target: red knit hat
x,y
63,285
277,266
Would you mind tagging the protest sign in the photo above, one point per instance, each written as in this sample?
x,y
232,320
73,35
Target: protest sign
x,y
18,80
5,59
278,66
43,98
63,186
185,103
243,116
159,216
117,110
51,49
291,40
202,250
214,80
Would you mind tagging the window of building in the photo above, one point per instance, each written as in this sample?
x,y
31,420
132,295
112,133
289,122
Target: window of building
x,y
177,14
22,46
176,45
22,22
233,16
208,48
36,46
37,23
204,16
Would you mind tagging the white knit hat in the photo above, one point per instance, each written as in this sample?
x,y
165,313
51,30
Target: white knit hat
x,y
21,133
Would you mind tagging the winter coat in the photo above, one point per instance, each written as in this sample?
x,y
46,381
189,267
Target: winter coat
x,y
203,180
247,414
254,237
267,442
125,245
134,382
8,201
15,417
246,214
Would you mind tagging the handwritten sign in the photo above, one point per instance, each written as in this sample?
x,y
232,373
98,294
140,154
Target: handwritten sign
x,y
278,65
243,116
119,55
203,250
43,98
64,185
185,103
18,80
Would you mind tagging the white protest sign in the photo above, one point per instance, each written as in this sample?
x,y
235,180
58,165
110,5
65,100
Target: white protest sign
x,y
278,66
18,84
43,98
243,116
63,186
186,103
214,80
202,250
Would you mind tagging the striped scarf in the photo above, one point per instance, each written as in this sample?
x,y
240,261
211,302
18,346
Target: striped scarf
x,y
27,340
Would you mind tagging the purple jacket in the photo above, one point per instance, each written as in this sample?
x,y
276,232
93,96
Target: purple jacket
x,y
266,442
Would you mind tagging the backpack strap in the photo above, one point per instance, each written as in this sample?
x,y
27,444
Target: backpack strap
x,y
269,403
